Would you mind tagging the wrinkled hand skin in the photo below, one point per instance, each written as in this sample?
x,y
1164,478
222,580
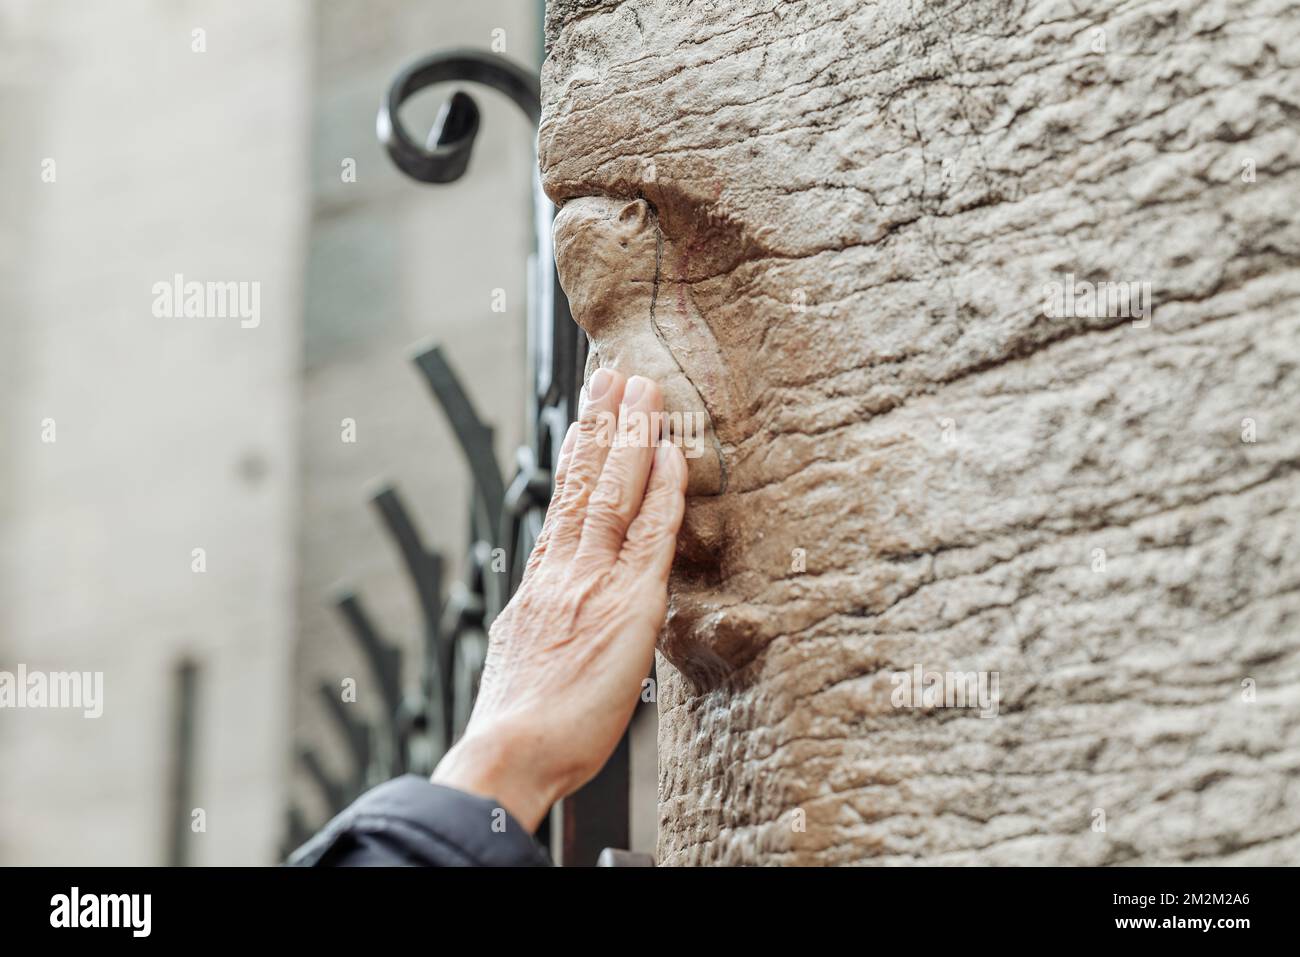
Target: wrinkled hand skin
x,y
567,657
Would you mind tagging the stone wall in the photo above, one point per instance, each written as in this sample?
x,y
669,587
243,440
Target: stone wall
x,y
861,215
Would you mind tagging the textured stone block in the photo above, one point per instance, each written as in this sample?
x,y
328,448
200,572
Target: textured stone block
x,y
861,213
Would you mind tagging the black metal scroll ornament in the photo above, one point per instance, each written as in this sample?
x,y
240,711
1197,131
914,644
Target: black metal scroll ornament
x,y
504,518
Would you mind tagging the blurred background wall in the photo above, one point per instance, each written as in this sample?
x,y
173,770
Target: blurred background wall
x,y
170,434
230,141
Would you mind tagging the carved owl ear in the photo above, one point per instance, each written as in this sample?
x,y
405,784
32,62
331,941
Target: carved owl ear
x,y
632,217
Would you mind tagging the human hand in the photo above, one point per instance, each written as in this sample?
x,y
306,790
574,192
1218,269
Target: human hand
x,y
567,656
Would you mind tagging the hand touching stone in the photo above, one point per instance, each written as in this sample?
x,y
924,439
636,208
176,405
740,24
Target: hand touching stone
x,y
567,656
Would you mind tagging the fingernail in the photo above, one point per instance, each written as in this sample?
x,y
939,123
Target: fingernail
x,y
600,383
635,389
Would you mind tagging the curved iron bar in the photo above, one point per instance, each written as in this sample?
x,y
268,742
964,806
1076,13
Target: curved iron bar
x,y
384,659
424,566
446,157
296,831
335,794
475,437
355,732
425,570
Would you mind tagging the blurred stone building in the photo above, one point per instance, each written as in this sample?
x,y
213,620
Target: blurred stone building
x,y
131,157
198,507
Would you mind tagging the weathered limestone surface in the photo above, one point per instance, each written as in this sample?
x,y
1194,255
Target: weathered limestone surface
x,y
856,208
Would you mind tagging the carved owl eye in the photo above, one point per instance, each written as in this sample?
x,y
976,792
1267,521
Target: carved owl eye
x,y
632,217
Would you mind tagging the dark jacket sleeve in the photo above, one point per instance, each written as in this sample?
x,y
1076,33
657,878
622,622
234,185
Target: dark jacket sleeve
x,y
412,822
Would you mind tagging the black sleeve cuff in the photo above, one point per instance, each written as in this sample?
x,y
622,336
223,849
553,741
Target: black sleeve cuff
x,y
410,821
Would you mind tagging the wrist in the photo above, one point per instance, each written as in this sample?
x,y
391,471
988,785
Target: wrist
x,y
493,764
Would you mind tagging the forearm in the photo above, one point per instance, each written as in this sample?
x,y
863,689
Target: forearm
x,y
502,766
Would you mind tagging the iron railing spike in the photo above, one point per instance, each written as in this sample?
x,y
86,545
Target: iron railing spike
x,y
355,732
336,795
475,436
385,660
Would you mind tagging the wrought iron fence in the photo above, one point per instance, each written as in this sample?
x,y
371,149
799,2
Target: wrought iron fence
x,y
420,723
